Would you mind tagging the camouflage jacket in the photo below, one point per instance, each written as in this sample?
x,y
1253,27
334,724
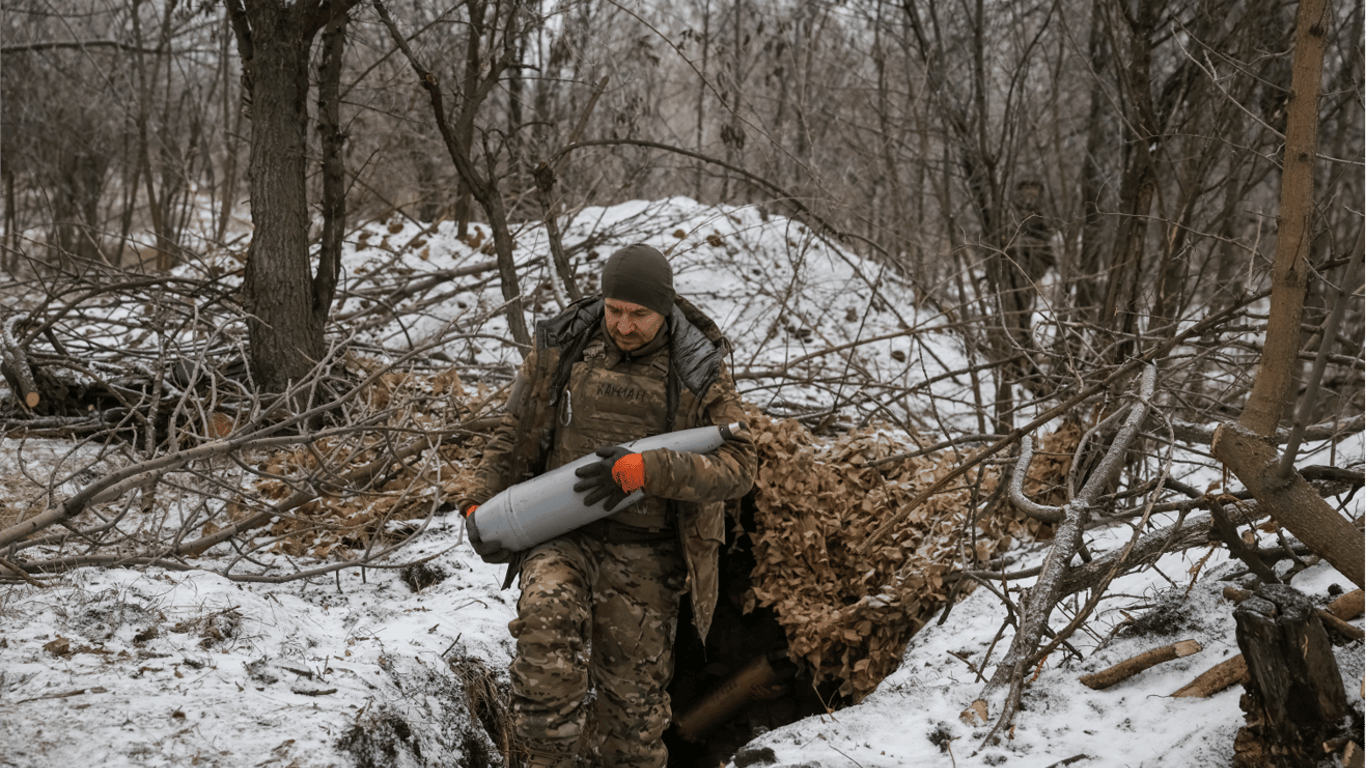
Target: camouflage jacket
x,y
699,392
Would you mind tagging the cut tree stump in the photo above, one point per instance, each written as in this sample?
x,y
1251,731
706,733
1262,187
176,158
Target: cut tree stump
x,y
1293,699
1335,616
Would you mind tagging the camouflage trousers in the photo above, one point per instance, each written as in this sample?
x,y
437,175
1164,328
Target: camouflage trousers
x,y
601,615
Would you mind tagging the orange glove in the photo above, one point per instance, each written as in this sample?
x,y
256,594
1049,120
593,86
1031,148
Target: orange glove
x,y
470,509
612,478
629,472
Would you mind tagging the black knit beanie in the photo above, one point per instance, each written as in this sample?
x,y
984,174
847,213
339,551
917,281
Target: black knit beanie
x,y
641,275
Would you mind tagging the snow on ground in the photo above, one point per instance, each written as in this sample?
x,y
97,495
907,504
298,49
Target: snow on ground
x,y
912,719
780,294
115,667
155,667
163,668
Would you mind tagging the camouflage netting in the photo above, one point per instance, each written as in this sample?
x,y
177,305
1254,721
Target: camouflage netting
x,y
849,613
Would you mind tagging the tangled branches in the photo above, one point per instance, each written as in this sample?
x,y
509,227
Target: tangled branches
x,y
143,440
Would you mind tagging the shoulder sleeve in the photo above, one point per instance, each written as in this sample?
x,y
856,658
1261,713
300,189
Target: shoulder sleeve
x,y
726,473
496,470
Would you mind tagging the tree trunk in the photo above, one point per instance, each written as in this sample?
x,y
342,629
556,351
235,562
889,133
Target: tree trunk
x,y
1288,497
1271,392
1292,501
285,333
1119,312
333,167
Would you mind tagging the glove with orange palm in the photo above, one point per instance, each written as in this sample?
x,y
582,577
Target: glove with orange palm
x,y
617,474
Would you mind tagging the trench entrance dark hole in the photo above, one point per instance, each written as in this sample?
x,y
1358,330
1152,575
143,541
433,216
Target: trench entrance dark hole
x,y
742,683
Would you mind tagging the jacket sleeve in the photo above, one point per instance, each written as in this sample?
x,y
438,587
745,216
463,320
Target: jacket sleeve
x,y
726,473
496,469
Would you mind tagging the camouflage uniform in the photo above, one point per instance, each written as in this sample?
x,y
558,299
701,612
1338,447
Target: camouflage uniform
x,y
599,606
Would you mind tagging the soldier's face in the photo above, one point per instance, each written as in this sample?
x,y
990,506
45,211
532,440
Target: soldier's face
x,y
631,326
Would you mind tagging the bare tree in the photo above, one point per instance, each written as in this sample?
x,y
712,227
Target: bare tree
x,y
1244,446
287,298
500,22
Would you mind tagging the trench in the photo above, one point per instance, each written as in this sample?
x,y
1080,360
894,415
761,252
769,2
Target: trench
x,y
741,683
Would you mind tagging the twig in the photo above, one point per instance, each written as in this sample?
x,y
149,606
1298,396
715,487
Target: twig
x,y
1069,760
21,573
1157,352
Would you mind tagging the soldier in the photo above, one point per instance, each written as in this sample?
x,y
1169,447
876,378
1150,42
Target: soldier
x,y
599,605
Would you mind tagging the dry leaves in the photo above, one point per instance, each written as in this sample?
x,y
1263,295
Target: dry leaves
x,y
344,518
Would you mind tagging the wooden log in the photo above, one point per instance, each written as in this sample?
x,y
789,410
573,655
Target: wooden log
x,y
1340,626
1347,606
1294,692
1352,756
14,362
1216,678
1129,667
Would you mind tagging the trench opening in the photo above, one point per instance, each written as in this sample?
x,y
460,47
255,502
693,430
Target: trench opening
x,y
741,683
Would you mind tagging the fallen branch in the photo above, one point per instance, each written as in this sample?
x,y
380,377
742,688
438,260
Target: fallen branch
x,y
1347,606
14,362
1047,590
1188,532
1129,667
1340,626
1229,672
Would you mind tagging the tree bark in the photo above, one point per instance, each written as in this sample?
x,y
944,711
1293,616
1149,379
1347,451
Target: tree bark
x,y
1292,501
1216,678
1294,695
1129,667
333,139
1271,392
285,333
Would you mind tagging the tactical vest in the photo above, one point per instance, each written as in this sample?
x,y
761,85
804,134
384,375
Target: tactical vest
x,y
612,398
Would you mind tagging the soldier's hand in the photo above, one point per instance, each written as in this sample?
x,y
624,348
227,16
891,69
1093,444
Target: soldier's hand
x,y
490,553
615,476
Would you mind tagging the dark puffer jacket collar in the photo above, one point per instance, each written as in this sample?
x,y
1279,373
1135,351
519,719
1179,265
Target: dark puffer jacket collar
x,y
697,345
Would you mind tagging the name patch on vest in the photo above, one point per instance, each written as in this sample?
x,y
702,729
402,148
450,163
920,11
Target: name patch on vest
x,y
620,392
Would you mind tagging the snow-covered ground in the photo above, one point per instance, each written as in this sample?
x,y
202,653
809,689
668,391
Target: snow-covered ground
x,y
121,667
157,667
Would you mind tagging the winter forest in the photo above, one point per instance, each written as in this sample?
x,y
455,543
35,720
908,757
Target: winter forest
x,y
1047,315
